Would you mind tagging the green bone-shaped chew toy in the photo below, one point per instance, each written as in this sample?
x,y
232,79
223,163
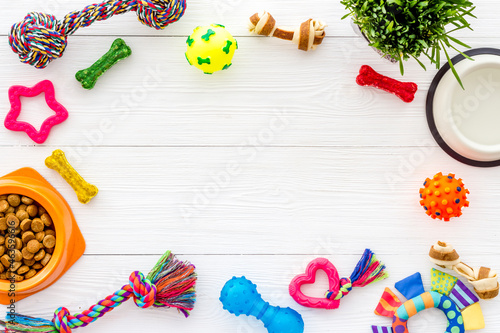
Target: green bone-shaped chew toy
x,y
118,51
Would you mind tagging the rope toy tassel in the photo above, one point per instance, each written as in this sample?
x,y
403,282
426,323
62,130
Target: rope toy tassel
x,y
40,38
171,283
367,271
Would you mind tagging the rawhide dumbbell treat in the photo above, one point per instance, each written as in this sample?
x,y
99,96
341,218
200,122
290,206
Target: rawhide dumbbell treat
x,y
27,237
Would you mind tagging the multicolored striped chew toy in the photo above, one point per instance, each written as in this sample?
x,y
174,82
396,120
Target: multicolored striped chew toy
x,y
171,283
448,294
41,38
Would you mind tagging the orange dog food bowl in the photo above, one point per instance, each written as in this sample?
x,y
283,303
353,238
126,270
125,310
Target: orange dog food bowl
x,y
70,244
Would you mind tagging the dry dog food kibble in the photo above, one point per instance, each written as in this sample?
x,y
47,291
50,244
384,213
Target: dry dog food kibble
x,y
40,236
12,221
37,225
33,246
49,241
22,215
27,201
4,205
23,270
32,210
27,254
30,274
27,237
14,200
26,225
21,207
40,255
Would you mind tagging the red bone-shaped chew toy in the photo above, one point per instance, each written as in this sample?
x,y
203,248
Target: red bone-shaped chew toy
x,y
404,90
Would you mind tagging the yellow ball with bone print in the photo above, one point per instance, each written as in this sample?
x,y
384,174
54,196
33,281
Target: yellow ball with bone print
x,y
211,48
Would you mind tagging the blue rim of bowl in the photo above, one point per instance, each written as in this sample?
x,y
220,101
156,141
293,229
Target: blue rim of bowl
x,y
430,109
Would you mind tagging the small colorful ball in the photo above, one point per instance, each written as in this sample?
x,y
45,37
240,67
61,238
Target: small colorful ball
x,y
443,197
211,48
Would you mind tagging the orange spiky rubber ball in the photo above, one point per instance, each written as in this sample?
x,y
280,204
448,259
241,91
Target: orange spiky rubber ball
x,y
443,197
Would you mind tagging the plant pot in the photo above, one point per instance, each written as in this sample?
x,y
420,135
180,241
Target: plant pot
x,y
358,32
70,244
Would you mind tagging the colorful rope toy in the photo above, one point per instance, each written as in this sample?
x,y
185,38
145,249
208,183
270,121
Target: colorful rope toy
x,y
11,122
170,283
443,197
240,296
447,294
368,270
58,162
41,38
483,279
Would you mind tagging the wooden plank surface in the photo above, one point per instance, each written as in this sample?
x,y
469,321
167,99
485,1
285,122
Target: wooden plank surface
x,y
313,97
233,14
254,171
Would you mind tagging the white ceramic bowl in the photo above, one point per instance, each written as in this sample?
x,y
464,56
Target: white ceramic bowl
x,y
466,123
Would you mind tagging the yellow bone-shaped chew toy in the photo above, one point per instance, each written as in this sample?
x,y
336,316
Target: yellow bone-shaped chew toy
x,y
58,162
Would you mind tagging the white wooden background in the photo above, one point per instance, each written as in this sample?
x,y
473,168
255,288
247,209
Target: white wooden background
x,y
319,166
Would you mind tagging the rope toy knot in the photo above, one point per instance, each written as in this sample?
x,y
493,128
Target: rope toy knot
x,y
344,289
144,290
61,320
37,40
160,13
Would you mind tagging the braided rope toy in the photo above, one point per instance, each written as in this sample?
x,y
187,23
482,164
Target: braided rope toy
x,y
40,38
368,270
170,283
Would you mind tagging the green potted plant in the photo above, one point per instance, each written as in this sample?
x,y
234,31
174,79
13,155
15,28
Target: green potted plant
x,y
404,29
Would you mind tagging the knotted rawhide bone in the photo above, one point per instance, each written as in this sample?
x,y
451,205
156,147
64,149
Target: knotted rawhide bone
x,y
58,162
88,77
483,279
171,283
41,38
404,90
307,36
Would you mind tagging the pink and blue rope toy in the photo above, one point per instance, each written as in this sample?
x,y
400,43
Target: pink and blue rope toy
x,y
40,38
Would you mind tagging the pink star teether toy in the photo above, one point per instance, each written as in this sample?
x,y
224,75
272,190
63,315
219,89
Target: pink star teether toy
x,y
11,122
368,270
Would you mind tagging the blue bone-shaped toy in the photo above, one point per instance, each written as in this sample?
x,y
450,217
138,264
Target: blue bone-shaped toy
x,y
240,296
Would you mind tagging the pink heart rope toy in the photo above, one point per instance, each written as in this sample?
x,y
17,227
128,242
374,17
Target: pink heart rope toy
x,y
171,283
368,270
41,38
